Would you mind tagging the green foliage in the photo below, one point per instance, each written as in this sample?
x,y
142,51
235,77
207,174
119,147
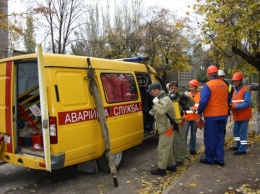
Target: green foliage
x,y
232,26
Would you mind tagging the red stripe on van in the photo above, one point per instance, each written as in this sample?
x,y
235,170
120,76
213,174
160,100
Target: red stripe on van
x,y
8,110
91,114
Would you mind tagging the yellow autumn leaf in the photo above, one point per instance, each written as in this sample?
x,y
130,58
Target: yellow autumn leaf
x,y
100,186
193,185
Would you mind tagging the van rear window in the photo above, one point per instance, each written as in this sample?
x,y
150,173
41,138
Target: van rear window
x,y
119,87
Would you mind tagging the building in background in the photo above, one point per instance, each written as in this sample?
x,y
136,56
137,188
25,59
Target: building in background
x,y
182,77
3,29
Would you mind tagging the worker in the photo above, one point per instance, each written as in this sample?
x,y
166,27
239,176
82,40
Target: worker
x,y
163,105
214,106
242,113
221,75
191,116
179,142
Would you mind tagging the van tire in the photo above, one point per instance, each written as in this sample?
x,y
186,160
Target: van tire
x,y
103,161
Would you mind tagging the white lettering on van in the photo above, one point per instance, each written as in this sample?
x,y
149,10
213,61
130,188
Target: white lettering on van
x,y
91,114
74,117
106,113
126,109
79,116
67,120
85,113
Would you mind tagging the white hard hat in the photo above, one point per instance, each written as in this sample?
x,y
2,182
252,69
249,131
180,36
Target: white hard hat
x,y
167,86
221,72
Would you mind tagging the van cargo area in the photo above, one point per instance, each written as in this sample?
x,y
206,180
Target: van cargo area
x,y
28,110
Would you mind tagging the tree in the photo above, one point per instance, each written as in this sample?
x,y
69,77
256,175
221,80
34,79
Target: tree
x,y
233,27
29,40
62,17
111,36
134,31
165,41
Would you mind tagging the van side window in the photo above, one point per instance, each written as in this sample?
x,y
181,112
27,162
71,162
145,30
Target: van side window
x,y
119,87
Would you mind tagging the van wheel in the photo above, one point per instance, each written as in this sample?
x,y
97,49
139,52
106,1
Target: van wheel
x,y
103,161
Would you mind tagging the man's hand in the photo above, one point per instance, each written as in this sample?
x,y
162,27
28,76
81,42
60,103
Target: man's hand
x,y
186,93
155,100
151,112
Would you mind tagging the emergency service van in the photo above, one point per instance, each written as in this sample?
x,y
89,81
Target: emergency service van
x,y
48,114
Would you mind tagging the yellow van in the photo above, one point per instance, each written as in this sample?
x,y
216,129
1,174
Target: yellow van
x,y
58,86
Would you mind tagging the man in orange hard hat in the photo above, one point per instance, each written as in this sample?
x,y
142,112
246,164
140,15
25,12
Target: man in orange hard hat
x,y
242,113
214,106
191,116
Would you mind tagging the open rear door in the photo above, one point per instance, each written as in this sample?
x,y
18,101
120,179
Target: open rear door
x,y
44,108
6,105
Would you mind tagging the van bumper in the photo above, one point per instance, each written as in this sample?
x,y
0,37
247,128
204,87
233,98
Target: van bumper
x,y
57,161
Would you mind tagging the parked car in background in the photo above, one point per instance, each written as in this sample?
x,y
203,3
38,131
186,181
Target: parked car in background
x,y
254,86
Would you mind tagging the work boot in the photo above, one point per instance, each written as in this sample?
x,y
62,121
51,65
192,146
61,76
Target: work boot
x,y
158,171
193,152
239,153
205,161
233,148
178,163
219,163
171,168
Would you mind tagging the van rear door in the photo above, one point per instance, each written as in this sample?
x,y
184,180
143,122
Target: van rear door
x,y
44,109
6,104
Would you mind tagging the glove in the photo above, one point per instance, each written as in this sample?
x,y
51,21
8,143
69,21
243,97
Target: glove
x,y
151,112
155,100
186,93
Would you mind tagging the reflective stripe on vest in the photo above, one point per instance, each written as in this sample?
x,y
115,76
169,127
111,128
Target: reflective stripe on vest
x,y
192,114
238,100
190,111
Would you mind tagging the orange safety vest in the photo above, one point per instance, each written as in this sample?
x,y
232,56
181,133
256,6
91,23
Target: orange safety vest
x,y
218,101
241,114
191,116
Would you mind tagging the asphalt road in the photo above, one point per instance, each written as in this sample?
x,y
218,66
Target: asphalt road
x,y
133,176
137,164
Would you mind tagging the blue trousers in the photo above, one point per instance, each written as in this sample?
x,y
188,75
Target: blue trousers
x,y
193,130
240,134
214,133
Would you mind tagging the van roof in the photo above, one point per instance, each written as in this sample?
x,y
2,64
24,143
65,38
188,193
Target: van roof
x,y
62,60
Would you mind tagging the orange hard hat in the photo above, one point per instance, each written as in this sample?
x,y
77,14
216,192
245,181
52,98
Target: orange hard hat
x,y
212,69
237,76
194,82
200,123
